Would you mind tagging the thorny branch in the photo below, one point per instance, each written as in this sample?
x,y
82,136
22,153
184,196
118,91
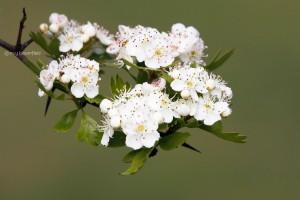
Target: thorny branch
x,y
19,47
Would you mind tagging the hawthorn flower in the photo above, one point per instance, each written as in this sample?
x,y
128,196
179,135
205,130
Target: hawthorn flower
x,y
189,81
71,37
85,83
195,53
182,38
103,35
107,130
158,52
59,19
49,74
140,131
209,110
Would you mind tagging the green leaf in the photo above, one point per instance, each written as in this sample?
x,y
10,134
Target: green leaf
x,y
113,87
118,139
126,62
66,122
173,141
216,129
96,99
88,130
142,76
50,93
35,69
138,160
54,48
40,40
217,62
128,158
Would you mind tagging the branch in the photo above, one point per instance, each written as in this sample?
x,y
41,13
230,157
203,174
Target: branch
x,y
19,47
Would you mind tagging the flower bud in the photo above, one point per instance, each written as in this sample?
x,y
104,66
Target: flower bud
x,y
84,38
115,122
44,27
54,28
65,78
174,74
226,112
185,94
228,92
105,105
210,84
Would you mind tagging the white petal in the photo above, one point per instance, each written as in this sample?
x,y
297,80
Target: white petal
x,y
149,139
105,139
211,118
41,93
219,107
177,85
91,91
178,28
77,45
200,113
64,47
194,95
133,141
77,90
152,63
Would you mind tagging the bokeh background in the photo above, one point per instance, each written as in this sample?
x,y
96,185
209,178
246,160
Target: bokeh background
x,y
36,163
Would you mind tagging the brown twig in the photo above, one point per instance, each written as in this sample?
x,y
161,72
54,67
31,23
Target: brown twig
x,y
19,47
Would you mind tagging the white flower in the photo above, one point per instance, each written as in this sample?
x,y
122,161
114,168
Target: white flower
x,y
103,35
140,131
48,75
185,107
158,52
195,53
59,19
44,27
105,105
209,110
107,130
88,29
189,81
86,83
141,37
70,38
182,38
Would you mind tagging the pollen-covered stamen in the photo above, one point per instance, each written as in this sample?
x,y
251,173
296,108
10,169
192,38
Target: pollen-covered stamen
x,y
140,128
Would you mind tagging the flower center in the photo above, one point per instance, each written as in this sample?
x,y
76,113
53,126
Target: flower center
x,y
70,38
190,84
158,52
164,102
208,106
84,80
124,43
140,128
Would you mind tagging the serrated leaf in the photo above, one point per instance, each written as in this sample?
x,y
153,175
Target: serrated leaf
x,y
142,76
35,69
54,48
118,139
40,40
216,129
88,130
217,62
66,122
173,141
138,161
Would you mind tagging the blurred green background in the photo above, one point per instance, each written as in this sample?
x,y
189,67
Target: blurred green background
x,y
36,163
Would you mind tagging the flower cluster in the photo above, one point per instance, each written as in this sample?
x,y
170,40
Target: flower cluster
x,y
156,49
81,72
206,94
138,112
72,35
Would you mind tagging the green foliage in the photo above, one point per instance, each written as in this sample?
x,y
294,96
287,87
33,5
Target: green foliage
x,y
66,122
218,61
88,130
118,140
50,93
173,140
117,85
216,129
52,48
142,76
137,158
35,69
96,99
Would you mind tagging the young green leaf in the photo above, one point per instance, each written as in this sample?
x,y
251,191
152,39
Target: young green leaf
x,y
173,141
66,122
129,156
217,62
88,130
138,160
118,140
216,129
